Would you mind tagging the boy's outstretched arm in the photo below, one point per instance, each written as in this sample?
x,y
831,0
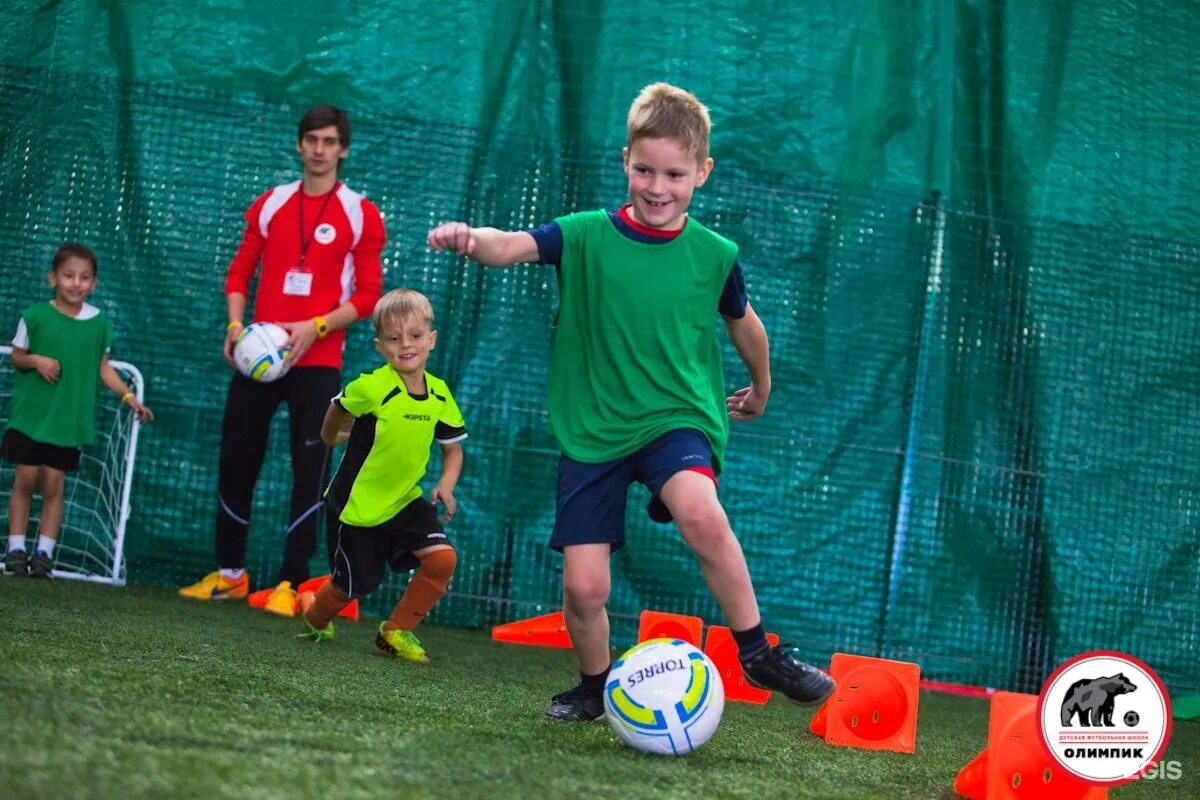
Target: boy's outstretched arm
x,y
110,378
488,246
452,464
749,338
335,428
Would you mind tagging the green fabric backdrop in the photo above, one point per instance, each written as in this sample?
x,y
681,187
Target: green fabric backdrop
x,y
968,227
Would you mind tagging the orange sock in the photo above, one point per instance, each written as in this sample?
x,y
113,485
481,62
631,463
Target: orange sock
x,y
329,601
424,590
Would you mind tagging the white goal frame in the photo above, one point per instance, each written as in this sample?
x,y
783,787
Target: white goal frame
x,y
115,574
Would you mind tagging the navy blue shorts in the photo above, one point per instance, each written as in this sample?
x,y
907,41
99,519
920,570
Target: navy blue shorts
x,y
592,497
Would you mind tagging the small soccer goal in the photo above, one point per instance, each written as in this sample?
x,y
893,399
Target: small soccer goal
x,y
91,543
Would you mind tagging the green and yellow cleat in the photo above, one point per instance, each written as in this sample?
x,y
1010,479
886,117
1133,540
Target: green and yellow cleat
x,y
400,644
315,634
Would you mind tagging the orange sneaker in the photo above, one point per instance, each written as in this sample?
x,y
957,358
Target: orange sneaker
x,y
215,586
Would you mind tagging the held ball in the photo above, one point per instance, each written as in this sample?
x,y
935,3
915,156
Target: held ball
x,y
664,696
259,352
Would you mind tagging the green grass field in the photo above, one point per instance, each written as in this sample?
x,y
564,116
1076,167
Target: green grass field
x,y
135,693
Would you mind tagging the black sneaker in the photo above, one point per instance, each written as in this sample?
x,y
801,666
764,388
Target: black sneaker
x,y
776,669
579,704
16,562
41,565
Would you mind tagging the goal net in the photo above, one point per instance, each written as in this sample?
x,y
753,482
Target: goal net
x,y
91,543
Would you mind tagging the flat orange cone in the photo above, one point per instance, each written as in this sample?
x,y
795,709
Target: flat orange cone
x,y
547,630
259,599
971,781
722,649
875,704
350,611
1016,763
314,584
663,625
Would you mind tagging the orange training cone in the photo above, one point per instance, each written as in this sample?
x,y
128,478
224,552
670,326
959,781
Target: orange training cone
x,y
259,599
547,630
314,584
662,625
874,706
820,720
1015,764
971,781
350,610
722,649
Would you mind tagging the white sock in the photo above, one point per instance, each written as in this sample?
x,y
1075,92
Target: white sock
x,y
233,574
45,545
16,541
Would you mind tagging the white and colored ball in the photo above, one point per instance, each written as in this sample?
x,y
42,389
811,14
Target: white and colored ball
x,y
664,696
259,352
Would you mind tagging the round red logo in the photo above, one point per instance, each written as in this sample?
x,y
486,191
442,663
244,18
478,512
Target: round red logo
x,y
1105,717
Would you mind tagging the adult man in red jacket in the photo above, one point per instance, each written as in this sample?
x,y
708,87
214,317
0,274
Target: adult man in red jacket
x,y
319,246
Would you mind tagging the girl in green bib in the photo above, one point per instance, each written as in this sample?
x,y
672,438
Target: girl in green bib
x,y
60,353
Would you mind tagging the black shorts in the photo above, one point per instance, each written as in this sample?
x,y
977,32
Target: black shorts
x,y
20,449
360,555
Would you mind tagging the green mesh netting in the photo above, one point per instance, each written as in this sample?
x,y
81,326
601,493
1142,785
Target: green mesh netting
x,y
968,227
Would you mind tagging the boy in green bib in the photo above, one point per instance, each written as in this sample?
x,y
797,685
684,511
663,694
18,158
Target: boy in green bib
x,y
636,390
60,353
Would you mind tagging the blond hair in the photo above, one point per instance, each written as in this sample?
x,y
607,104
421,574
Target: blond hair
x,y
401,303
663,111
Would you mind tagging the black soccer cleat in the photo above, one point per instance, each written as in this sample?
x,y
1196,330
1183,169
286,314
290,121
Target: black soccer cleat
x,y
16,562
579,704
41,565
777,670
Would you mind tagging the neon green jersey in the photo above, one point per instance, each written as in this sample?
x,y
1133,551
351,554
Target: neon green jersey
x,y
389,444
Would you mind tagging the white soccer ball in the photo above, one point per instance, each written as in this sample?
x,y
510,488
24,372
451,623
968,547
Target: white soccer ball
x,y
259,353
664,696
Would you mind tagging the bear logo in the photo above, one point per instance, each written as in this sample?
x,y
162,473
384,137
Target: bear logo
x,y
1092,699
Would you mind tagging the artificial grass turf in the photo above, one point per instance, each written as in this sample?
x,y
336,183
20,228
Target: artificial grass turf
x,y
136,693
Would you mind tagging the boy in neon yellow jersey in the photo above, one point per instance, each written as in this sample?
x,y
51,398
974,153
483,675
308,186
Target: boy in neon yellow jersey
x,y
636,386
377,515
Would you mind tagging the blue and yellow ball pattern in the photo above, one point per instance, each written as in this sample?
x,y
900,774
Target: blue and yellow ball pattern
x,y
664,696
260,352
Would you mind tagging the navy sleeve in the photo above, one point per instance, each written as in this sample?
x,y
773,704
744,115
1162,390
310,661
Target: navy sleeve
x,y
733,297
549,240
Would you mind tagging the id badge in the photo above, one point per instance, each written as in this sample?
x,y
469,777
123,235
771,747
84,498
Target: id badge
x,y
297,283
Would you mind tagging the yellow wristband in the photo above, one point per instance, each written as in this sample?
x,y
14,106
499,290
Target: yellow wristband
x,y
229,327
322,326
126,396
